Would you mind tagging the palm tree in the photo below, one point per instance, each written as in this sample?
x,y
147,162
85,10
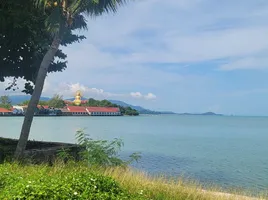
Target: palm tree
x,y
64,16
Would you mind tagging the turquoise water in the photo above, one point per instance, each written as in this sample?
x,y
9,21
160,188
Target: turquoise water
x,y
226,151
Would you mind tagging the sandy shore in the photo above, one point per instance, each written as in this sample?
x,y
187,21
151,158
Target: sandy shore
x,y
231,196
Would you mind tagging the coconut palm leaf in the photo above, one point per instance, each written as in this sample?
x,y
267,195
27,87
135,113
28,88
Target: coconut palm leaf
x,y
94,7
66,13
55,20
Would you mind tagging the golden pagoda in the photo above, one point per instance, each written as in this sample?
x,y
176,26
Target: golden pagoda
x,y
77,100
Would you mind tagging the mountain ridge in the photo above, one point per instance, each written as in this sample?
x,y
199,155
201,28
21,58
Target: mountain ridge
x,y
140,109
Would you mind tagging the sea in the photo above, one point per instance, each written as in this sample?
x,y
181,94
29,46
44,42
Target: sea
x,y
227,152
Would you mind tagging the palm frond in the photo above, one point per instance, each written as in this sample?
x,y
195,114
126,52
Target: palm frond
x,y
79,22
72,15
41,3
95,7
55,20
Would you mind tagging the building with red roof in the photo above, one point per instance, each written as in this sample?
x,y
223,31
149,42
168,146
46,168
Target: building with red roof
x,y
94,111
65,112
103,111
78,110
4,111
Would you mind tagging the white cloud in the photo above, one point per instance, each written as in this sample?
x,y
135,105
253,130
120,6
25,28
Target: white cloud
x,y
150,96
154,31
136,94
69,90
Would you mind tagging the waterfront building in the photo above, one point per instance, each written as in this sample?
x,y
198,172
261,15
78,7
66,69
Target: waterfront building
x,y
93,111
19,110
103,111
5,112
77,110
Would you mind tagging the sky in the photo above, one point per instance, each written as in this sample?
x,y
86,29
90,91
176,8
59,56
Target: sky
x,y
179,55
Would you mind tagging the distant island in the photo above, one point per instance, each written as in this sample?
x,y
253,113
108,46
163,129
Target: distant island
x,y
206,113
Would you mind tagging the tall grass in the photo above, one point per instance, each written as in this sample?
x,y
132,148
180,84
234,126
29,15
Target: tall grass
x,y
160,188
138,185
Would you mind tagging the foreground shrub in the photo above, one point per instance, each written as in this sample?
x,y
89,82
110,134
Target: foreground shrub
x,y
43,182
100,152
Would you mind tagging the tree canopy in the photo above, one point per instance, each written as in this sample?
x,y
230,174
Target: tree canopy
x,y
105,103
5,102
56,102
24,41
41,103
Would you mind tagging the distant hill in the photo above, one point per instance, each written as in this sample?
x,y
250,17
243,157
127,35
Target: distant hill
x,y
17,99
140,109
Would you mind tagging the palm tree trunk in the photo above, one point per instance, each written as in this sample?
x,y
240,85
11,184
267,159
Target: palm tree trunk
x,y
39,84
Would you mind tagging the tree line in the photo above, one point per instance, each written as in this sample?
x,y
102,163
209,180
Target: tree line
x,y
105,103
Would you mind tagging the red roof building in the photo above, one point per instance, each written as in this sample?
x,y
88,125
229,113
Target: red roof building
x,y
4,111
65,112
103,111
94,111
78,110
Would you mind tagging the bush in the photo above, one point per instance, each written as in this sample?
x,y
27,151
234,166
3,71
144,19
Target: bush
x,y
43,182
101,152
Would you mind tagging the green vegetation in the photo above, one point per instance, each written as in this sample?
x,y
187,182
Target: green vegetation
x,y
56,102
59,182
102,152
106,103
79,181
5,102
41,103
72,181
128,111
101,103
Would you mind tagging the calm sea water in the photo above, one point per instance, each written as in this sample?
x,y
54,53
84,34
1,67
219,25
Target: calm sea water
x,y
226,151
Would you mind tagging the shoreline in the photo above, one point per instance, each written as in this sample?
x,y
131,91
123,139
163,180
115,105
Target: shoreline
x,y
230,195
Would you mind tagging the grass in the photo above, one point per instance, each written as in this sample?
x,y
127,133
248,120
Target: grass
x,y
160,188
74,181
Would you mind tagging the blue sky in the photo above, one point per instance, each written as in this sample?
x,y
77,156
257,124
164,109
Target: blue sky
x,y
180,55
